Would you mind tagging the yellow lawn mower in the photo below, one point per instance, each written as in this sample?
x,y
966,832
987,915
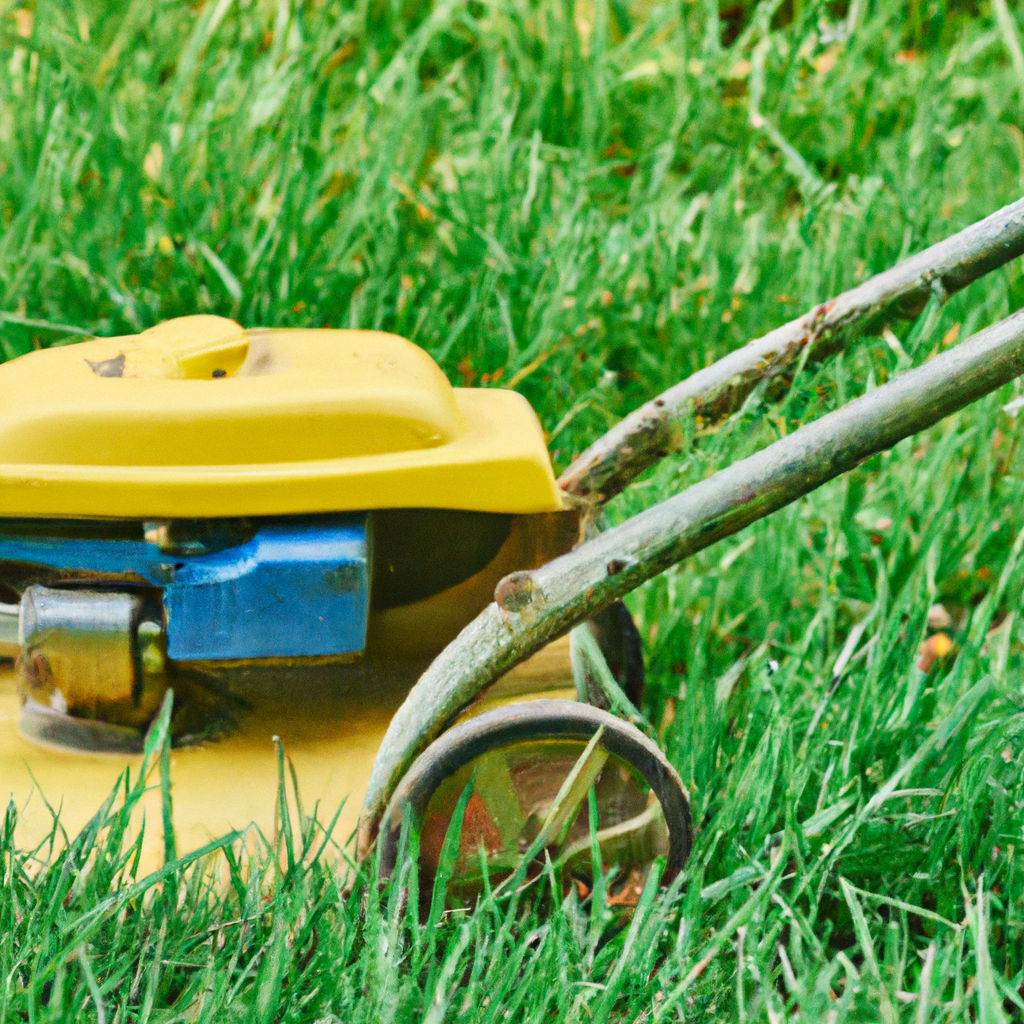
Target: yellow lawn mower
x,y
309,536
285,528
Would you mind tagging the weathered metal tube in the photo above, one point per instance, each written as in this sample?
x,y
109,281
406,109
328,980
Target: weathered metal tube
x,y
533,608
654,430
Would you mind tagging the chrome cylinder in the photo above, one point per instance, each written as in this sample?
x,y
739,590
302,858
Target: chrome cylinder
x,y
9,619
90,654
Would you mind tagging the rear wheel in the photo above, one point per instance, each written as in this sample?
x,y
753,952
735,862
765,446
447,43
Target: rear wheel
x,y
532,767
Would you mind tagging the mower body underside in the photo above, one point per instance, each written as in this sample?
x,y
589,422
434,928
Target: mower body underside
x,y
288,589
330,724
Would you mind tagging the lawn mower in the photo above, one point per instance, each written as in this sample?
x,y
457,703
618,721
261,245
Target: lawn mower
x,y
317,544
284,528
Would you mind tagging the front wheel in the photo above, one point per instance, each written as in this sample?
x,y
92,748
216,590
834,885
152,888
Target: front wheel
x,y
532,767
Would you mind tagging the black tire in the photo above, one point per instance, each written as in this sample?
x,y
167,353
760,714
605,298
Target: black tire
x,y
619,639
538,720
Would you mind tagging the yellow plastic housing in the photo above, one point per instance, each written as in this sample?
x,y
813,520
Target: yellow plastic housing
x,y
198,417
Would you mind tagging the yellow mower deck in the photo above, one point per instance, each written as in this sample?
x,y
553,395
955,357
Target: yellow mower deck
x,y
199,418
330,732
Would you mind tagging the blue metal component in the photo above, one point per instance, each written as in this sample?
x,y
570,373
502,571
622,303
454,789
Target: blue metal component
x,y
296,589
289,592
123,558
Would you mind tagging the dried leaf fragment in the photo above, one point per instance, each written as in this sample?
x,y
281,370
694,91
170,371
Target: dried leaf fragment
x,y
937,646
939,618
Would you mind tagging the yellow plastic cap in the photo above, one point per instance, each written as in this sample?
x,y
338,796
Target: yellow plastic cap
x,y
198,417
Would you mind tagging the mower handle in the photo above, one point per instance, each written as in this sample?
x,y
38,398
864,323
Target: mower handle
x,y
533,608
710,395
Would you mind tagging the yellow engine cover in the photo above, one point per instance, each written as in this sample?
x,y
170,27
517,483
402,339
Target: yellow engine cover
x,y
198,417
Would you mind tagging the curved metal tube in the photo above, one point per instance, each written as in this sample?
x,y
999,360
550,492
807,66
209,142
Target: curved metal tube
x,y
534,608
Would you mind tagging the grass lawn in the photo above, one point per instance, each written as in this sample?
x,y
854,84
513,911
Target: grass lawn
x,y
585,202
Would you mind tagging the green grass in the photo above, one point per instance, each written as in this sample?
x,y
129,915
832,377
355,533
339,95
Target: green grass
x,y
574,199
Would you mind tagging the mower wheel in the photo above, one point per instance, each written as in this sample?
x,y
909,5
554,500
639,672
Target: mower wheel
x,y
532,768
